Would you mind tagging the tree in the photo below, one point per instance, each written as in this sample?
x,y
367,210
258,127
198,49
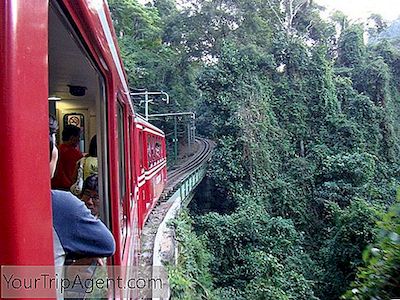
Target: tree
x,y
351,48
307,132
379,276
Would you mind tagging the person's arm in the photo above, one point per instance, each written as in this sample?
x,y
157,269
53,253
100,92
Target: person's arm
x,y
75,175
71,170
80,233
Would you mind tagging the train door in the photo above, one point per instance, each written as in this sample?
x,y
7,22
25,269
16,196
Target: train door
x,y
25,209
77,93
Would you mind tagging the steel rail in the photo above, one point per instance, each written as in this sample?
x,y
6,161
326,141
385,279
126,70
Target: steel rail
x,y
186,169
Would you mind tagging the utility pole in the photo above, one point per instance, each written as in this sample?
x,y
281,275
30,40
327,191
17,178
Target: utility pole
x,y
147,100
191,132
175,138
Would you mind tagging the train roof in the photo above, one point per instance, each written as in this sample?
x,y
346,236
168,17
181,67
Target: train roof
x,y
142,121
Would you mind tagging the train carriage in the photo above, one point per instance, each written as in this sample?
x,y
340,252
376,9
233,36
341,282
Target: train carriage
x,y
152,162
62,58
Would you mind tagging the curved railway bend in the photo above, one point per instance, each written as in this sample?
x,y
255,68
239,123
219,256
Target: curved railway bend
x,y
156,245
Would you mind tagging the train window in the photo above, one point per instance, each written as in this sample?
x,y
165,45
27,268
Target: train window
x,y
122,169
153,138
141,149
149,150
158,149
121,147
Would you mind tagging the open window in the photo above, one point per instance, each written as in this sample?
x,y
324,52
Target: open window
x,y
123,202
141,162
77,93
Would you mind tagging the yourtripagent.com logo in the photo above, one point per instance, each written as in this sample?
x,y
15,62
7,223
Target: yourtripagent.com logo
x,y
84,281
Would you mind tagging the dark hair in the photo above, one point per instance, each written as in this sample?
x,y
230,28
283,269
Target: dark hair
x,y
93,147
53,126
70,131
91,183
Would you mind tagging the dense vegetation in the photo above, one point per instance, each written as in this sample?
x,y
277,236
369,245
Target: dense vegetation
x,y
306,121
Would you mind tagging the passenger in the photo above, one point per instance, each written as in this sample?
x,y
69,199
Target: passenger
x,y
90,194
85,167
78,231
68,157
90,163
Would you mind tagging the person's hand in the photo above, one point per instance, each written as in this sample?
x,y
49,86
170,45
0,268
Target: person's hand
x,y
100,262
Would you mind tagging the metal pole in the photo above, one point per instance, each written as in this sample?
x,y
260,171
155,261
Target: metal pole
x,y
175,138
189,139
146,105
174,114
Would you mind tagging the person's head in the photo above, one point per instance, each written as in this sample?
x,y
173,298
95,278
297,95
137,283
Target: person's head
x,y
53,126
93,147
71,135
90,194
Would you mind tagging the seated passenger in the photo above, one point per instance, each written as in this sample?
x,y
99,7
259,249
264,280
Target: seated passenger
x,y
90,194
79,232
68,157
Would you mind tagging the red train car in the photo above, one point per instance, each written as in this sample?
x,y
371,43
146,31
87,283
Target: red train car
x,y
152,162
61,57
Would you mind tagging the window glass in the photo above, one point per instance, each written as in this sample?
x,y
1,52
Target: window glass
x,y
140,149
122,169
149,150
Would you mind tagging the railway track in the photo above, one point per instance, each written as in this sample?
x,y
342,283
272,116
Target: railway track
x,y
180,172
175,177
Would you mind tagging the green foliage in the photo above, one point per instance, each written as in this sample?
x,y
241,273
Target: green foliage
x,y
356,168
372,79
391,57
351,47
378,26
149,62
289,197
296,140
379,278
350,231
258,254
310,24
135,21
306,127
191,278
340,19
228,168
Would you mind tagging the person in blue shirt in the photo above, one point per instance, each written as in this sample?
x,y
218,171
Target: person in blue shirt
x,y
76,230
